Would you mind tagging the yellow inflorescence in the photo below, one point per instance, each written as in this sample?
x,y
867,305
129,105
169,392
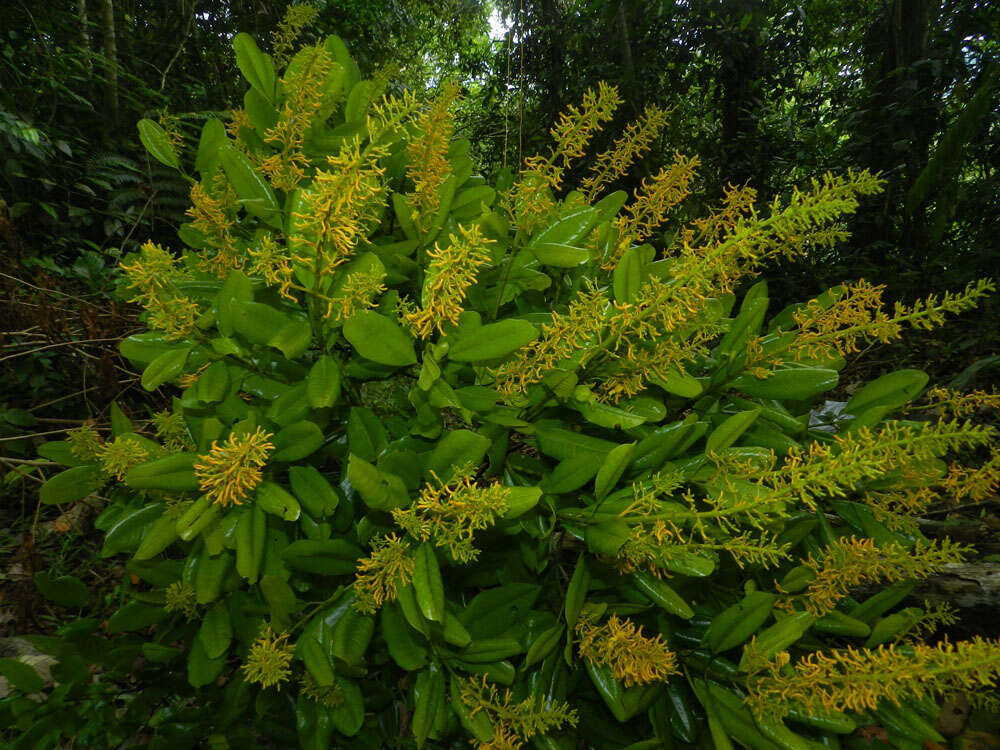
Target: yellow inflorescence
x,y
577,125
297,17
151,279
181,598
450,273
269,661
620,645
379,576
975,484
120,455
214,218
849,562
330,696
84,442
963,404
305,82
858,679
427,154
171,429
737,206
514,723
272,262
564,336
652,204
229,471
451,512
360,291
632,144
341,207
857,317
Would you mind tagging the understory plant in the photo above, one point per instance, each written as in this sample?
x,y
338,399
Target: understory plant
x,y
522,464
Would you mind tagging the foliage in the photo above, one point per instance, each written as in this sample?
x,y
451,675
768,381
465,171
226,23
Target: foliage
x,y
487,465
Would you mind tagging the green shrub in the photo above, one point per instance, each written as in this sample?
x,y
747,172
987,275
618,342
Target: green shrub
x,y
449,461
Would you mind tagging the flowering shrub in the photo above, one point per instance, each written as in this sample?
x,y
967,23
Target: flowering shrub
x,y
449,461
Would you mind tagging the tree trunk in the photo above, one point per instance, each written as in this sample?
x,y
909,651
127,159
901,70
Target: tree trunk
x,y
81,15
111,53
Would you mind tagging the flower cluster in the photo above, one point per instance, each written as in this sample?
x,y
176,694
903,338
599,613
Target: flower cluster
x,y
151,279
632,144
451,271
229,471
181,598
381,574
297,16
513,722
428,164
620,645
849,562
450,513
120,455
84,442
269,661
858,679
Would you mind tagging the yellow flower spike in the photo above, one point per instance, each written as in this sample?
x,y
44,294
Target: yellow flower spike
x,y
170,429
428,164
858,679
269,661
451,272
653,201
182,599
632,657
737,205
120,455
514,722
379,576
150,279
451,512
330,696
849,562
360,291
962,404
272,262
342,206
636,141
297,17
560,339
576,126
962,483
84,442
229,471
210,217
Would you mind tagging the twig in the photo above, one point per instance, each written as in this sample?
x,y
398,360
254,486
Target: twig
x,y
61,343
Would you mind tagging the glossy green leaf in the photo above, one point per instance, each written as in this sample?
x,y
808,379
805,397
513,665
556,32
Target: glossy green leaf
x,y
66,591
164,368
323,383
493,341
379,339
70,485
427,583
157,143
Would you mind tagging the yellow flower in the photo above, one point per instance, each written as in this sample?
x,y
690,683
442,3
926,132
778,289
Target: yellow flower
x,y
360,291
330,696
214,218
181,598
229,471
380,575
171,429
269,660
632,144
273,263
297,16
151,278
427,154
513,723
963,404
120,455
84,442
632,657
849,562
858,679
452,270
450,513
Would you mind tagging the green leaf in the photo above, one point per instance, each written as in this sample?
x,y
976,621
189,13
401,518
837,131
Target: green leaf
x,y
213,383
576,592
164,368
202,670
366,435
216,632
21,675
313,490
457,449
380,490
157,143
349,715
236,288
493,612
615,464
351,636
733,626
429,699
403,647
379,339
329,557
493,341
134,616
890,391
628,276
323,382
213,137
791,383
72,484
276,500
730,430
680,384
256,67
120,424
560,256
427,583
317,662
662,595
253,191
568,230
66,591
295,442
520,500
280,599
